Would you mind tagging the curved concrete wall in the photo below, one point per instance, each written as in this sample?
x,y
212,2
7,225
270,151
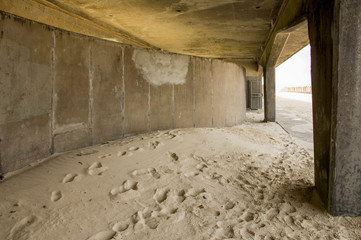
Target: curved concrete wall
x,y
61,91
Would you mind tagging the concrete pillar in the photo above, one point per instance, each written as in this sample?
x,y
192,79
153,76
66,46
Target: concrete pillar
x,y
335,37
269,94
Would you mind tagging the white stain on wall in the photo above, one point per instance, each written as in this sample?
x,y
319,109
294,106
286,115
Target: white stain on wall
x,y
161,68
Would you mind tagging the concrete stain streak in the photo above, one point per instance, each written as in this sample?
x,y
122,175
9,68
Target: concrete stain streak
x,y
194,91
173,107
52,104
123,93
149,113
91,93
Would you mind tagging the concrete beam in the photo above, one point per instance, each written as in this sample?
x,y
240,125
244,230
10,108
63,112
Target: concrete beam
x,y
336,79
277,48
49,13
291,13
297,40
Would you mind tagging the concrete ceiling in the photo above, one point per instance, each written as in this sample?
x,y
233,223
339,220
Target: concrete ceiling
x,y
231,29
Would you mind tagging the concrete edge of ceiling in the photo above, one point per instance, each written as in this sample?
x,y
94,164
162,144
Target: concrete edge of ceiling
x,y
291,14
46,13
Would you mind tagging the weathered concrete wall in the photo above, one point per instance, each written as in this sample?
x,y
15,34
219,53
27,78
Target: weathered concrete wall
x,y
71,91
61,91
203,92
106,79
136,112
25,92
184,100
219,110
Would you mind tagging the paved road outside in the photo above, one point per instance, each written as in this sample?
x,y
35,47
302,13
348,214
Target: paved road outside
x,y
294,114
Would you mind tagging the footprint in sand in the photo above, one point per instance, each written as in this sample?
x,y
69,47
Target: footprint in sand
x,y
105,156
146,171
174,157
229,205
155,144
70,177
56,196
144,219
120,226
135,149
126,186
166,135
168,200
290,221
271,214
223,232
201,166
160,195
288,208
103,235
259,195
97,169
19,230
248,216
247,233
193,192
124,154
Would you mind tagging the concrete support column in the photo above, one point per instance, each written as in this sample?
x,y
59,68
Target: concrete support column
x,y
269,94
335,36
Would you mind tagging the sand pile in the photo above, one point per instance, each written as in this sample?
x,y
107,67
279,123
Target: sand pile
x,y
246,182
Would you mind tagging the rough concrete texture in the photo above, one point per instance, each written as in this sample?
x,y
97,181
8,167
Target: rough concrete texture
x,y
137,109
240,95
73,138
82,91
184,100
161,107
71,89
219,100
23,142
346,131
107,90
203,91
161,68
25,92
230,89
336,57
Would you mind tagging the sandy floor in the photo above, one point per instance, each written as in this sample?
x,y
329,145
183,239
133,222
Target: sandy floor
x,y
246,182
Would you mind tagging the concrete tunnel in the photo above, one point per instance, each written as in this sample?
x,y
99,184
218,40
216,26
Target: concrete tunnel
x,y
75,74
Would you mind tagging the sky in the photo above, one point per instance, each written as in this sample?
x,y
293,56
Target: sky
x,y
296,71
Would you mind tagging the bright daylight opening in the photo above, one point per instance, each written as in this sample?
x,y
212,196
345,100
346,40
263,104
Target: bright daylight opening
x,y
294,97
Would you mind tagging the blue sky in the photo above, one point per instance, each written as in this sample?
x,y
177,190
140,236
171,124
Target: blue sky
x,y
296,71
